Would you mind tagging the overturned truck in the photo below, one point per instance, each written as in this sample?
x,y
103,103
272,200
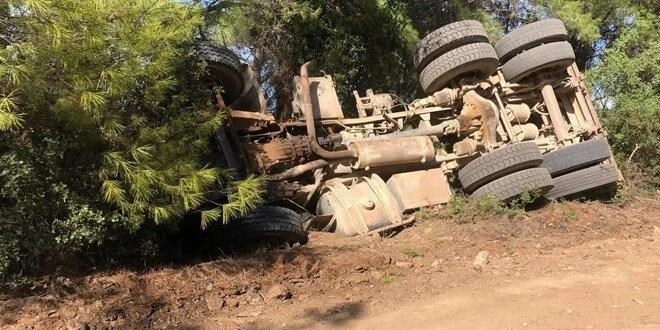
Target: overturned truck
x,y
502,119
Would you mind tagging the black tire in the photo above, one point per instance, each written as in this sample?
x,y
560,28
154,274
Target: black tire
x,y
271,225
224,69
577,156
247,100
510,187
447,38
583,181
499,163
530,36
556,55
479,59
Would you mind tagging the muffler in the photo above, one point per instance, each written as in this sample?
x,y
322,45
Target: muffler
x,y
393,151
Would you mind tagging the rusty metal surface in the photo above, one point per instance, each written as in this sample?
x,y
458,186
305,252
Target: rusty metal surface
x,y
279,190
380,118
526,132
393,151
323,97
299,170
372,104
518,113
466,147
556,118
278,155
420,189
253,116
365,206
586,104
307,107
475,107
245,120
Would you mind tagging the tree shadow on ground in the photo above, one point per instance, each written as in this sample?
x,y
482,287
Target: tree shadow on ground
x,y
335,316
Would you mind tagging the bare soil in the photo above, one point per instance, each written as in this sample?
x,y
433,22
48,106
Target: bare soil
x,y
565,266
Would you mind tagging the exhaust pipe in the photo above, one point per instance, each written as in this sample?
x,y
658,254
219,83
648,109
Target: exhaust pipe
x,y
309,119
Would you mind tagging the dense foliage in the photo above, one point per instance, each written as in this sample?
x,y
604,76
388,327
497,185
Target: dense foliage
x,y
363,44
628,85
105,126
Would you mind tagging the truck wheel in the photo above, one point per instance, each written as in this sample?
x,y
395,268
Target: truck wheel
x,y
247,101
577,156
556,55
224,69
271,225
499,163
447,38
530,36
479,59
582,181
510,187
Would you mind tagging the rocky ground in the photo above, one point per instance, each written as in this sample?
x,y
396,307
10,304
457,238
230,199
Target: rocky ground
x,y
564,266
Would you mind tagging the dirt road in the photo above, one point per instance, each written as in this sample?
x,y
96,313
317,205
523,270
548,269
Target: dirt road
x,y
620,291
565,266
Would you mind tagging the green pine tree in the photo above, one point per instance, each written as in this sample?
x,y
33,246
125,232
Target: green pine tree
x,y
103,114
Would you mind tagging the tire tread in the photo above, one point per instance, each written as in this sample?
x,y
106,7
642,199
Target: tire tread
x,y
447,38
577,156
530,36
479,56
584,180
513,185
499,163
556,54
273,219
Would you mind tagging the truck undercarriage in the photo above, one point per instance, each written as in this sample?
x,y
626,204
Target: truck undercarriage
x,y
503,120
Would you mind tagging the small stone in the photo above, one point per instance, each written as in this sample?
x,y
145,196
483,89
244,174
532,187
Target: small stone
x,y
638,302
376,275
569,311
209,287
404,264
656,230
525,324
360,269
256,298
214,302
435,264
80,326
480,261
278,292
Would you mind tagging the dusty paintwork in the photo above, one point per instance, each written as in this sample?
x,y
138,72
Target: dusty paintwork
x,y
342,158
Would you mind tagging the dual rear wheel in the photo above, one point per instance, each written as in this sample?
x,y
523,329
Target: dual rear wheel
x,y
533,48
462,50
509,172
454,51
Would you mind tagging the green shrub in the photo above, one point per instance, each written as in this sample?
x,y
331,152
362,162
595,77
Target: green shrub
x,y
627,86
105,128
